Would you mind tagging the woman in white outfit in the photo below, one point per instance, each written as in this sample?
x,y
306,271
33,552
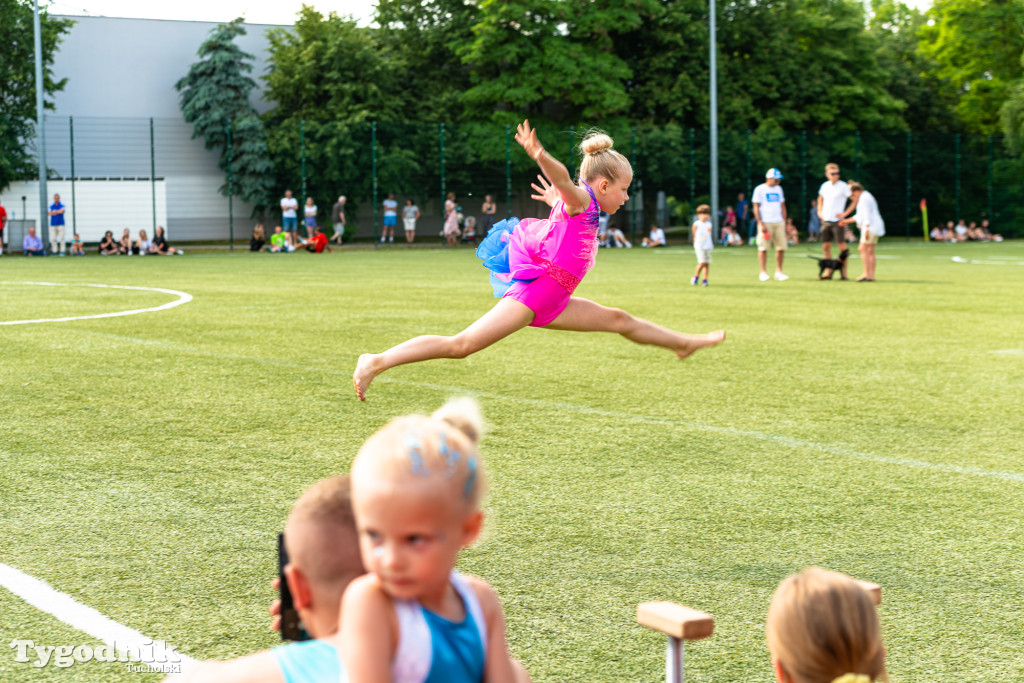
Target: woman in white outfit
x,y
869,222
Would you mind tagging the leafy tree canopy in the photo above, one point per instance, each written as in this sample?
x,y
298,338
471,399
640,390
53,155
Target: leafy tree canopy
x,y
18,82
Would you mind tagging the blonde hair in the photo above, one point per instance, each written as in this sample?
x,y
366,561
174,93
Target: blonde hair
x,y
822,626
442,448
831,167
855,186
600,160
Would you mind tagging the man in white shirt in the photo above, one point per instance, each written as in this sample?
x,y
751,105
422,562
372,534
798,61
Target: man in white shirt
x,y
869,222
290,216
832,196
770,213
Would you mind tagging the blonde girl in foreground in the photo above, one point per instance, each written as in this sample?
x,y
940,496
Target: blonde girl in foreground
x,y
416,489
537,264
823,628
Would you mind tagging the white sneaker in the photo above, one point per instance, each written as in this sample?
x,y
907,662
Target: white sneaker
x,y
780,276
763,277
382,240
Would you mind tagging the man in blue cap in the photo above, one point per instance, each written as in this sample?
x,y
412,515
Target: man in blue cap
x,y
770,213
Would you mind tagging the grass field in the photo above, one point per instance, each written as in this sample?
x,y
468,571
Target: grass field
x,y
874,429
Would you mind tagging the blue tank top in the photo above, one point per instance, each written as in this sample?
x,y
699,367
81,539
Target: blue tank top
x,y
309,661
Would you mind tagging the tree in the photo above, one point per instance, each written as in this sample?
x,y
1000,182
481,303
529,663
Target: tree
x,y
976,45
214,99
18,83
550,59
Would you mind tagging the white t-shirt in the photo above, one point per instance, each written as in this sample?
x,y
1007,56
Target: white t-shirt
x,y
657,236
390,207
702,235
833,199
310,211
409,212
961,229
867,216
289,207
770,200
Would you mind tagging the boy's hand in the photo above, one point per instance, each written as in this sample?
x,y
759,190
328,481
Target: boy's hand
x,y
546,192
275,606
527,138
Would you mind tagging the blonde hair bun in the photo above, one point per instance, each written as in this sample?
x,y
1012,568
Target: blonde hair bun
x,y
463,414
596,143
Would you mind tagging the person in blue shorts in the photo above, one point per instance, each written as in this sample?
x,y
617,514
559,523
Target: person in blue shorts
x,y
390,218
290,215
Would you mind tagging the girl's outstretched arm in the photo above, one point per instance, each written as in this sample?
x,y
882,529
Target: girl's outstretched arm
x,y
576,200
546,192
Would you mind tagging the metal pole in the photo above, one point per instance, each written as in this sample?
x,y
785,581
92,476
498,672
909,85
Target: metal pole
x,y
572,149
907,197
713,48
230,195
373,153
443,193
693,178
856,158
74,222
637,184
44,224
748,188
152,170
675,669
957,154
302,148
991,162
803,174
508,171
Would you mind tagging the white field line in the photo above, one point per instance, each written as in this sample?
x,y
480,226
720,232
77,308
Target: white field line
x,y
46,598
980,262
787,441
183,298
1010,352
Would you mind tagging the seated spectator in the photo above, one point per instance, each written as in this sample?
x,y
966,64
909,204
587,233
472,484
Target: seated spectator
x,y
936,234
279,242
822,628
143,245
469,230
124,245
656,238
160,245
32,245
988,234
960,231
792,234
77,248
317,242
616,237
974,233
323,552
730,238
108,245
258,239
602,228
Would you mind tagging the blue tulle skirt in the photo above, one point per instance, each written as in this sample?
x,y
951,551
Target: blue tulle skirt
x,y
493,251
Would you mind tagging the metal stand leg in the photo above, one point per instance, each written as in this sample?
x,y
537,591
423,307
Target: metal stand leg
x,y
675,671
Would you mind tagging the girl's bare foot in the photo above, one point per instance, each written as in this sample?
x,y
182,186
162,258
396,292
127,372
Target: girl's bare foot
x,y
696,342
365,372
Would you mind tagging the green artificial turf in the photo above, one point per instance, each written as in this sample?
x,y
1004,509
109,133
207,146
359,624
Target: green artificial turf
x,y
874,429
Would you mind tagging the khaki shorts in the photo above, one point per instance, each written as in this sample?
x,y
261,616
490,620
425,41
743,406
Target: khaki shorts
x,y
777,232
703,255
868,237
832,232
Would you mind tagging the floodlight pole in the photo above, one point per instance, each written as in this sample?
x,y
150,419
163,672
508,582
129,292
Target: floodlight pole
x,y
44,224
713,48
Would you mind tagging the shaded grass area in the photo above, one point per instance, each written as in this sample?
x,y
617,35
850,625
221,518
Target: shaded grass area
x,y
150,460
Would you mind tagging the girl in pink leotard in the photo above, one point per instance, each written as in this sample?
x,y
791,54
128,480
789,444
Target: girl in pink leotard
x,y
537,264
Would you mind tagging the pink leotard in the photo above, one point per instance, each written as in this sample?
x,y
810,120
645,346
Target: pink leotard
x,y
547,258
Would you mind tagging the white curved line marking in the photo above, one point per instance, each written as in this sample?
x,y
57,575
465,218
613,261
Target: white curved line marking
x,y
183,298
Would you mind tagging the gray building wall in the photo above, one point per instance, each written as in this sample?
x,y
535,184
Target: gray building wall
x,y
121,75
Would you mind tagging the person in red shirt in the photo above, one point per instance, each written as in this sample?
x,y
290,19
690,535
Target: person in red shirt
x,y
318,242
3,222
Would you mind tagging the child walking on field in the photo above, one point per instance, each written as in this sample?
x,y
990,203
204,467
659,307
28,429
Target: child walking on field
x,y
703,242
416,489
537,264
